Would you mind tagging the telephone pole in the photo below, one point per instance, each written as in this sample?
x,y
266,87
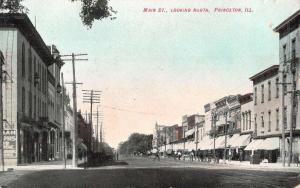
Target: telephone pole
x,y
225,133
91,97
1,114
74,144
63,120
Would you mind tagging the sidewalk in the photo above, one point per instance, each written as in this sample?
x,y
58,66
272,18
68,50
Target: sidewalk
x,y
44,165
240,165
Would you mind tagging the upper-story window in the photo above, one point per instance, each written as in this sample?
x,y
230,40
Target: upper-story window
x,y
262,94
255,123
23,60
249,119
246,127
243,118
293,48
262,121
277,87
34,107
285,117
269,122
255,96
269,90
284,84
277,119
29,64
23,99
29,104
284,53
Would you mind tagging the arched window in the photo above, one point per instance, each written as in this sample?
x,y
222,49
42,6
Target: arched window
x,y
29,64
23,59
23,99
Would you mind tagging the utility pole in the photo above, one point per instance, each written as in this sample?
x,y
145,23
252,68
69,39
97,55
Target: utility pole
x,y
214,133
63,120
74,144
1,114
97,130
283,121
91,97
225,133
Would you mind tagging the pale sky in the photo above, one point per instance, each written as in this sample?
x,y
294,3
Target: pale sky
x,y
157,67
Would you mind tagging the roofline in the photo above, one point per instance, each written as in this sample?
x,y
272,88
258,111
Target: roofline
x,y
23,23
264,72
282,24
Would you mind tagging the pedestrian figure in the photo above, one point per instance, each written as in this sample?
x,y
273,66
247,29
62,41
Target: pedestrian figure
x,y
192,154
175,155
179,155
156,156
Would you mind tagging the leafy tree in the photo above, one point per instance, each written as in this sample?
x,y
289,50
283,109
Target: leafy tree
x,y
91,10
12,6
136,142
95,10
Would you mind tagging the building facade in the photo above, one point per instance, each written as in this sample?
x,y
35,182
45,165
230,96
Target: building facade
x,y
27,129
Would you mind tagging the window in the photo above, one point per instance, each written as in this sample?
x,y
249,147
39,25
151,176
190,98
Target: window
x,y
243,121
262,93
29,104
34,67
249,119
23,59
246,127
23,100
255,96
293,48
255,123
285,117
29,65
269,90
277,119
284,53
269,122
277,87
284,85
262,121
34,107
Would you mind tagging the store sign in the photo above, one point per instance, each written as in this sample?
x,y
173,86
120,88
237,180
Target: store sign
x,y
9,143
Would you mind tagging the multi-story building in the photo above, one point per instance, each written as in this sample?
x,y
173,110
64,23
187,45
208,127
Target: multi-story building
x,y
289,65
267,113
55,106
26,90
84,134
69,125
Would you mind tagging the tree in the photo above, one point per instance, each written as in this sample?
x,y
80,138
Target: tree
x,y
136,143
91,10
95,10
12,6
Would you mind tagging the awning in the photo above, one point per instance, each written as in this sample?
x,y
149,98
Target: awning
x,y
232,140
242,140
177,146
189,132
206,143
254,144
221,121
190,145
220,142
169,146
270,144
